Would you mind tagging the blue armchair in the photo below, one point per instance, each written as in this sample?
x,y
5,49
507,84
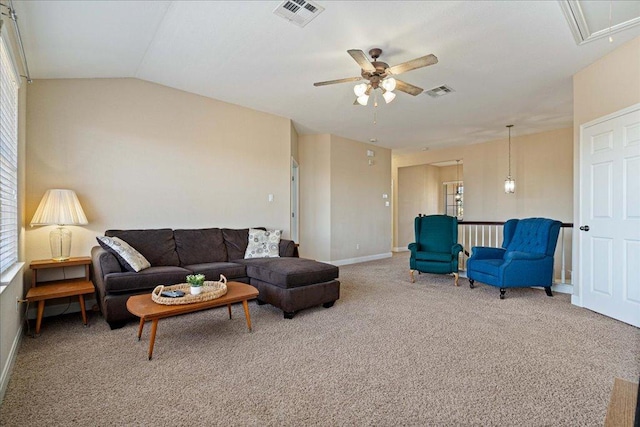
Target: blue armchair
x,y
524,260
436,248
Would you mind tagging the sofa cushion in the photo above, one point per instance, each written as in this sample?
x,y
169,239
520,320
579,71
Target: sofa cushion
x,y
236,242
263,243
200,246
289,272
157,246
486,266
434,256
144,280
127,256
213,270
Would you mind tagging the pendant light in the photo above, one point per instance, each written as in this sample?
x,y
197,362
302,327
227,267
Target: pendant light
x,y
509,183
458,195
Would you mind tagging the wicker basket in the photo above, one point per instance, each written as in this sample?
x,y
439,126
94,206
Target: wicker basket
x,y
210,290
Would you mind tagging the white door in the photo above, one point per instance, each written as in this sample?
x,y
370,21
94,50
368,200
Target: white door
x,y
609,235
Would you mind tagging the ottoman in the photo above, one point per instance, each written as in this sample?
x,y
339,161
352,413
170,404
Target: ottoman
x,y
293,284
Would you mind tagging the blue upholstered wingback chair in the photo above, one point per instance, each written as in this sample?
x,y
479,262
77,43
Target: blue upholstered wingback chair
x,y
525,258
436,247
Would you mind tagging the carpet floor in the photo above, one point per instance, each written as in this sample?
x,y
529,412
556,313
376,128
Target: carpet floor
x,y
388,353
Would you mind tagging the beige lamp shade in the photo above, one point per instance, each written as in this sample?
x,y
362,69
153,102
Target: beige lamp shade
x,y
59,207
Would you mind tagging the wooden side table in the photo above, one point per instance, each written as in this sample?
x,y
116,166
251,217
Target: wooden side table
x,y
59,288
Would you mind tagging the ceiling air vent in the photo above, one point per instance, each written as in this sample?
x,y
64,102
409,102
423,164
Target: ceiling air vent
x,y
300,12
439,91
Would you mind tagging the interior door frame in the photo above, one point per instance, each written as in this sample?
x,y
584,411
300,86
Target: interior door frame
x,y
576,298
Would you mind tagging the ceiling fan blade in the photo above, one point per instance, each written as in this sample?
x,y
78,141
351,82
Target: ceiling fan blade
x,y
413,64
331,82
362,60
408,88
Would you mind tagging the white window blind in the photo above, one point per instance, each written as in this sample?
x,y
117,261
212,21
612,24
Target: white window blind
x,y
9,84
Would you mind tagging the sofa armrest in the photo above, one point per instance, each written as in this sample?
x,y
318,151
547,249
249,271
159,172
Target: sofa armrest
x,y
102,263
288,248
485,252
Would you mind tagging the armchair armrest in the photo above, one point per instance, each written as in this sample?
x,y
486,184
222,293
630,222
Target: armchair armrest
x,y
456,249
413,247
485,252
515,255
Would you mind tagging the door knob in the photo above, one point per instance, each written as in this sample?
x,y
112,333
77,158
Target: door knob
x,y
584,228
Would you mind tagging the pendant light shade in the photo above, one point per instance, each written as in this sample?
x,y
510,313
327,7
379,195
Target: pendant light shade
x,y
360,89
389,84
509,183
458,195
388,96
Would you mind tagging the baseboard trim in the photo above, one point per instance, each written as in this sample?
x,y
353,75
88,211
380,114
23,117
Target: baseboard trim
x,y
8,367
401,249
562,288
576,300
361,259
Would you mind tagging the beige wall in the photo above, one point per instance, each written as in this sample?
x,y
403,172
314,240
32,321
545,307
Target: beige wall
x,y
294,143
419,192
358,212
141,155
314,152
541,164
341,203
610,84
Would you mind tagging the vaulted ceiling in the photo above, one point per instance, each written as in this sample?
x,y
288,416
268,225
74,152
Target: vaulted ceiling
x,y
507,61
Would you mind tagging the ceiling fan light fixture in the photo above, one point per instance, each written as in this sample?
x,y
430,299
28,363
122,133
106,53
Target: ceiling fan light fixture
x,y
360,89
389,84
363,99
388,96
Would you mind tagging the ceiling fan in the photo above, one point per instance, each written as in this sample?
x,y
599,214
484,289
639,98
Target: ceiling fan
x,y
378,74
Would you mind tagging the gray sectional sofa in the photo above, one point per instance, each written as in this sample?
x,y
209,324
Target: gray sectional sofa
x,y
288,282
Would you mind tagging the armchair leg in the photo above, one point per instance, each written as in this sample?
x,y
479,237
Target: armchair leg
x,y
502,291
455,278
471,285
413,280
547,289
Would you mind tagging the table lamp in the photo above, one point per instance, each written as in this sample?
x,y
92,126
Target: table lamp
x,y
59,207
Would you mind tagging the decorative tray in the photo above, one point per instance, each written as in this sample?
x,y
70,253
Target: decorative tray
x,y
210,290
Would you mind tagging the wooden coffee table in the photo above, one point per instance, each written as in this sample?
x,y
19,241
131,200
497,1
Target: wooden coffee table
x,y
147,310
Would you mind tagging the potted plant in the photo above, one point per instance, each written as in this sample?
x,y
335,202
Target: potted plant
x,y
196,281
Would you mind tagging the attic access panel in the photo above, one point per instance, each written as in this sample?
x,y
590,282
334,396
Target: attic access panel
x,y
589,20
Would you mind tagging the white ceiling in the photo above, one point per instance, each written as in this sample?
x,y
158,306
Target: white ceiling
x,y
508,61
